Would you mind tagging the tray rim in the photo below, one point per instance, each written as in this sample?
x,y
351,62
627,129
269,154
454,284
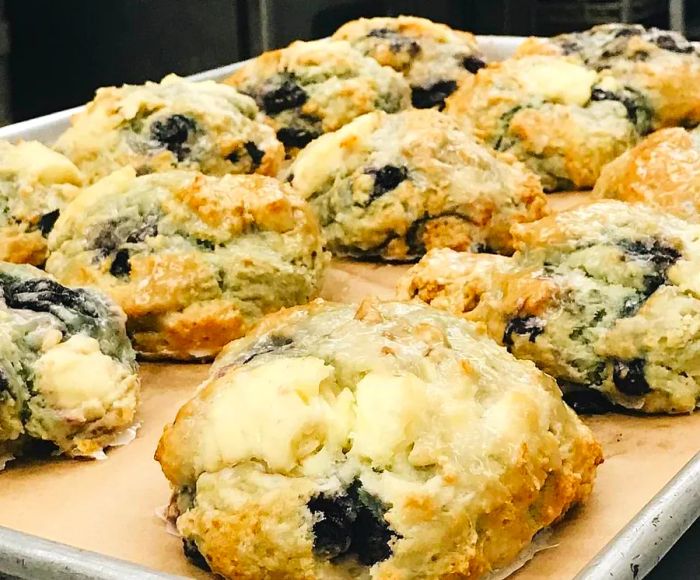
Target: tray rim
x,y
632,553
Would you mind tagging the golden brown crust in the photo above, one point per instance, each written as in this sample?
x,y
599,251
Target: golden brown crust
x,y
662,171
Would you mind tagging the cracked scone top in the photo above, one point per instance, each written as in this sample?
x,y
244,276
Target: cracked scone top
x,y
391,186
433,57
605,298
662,171
35,184
193,260
660,65
389,441
311,88
68,374
175,124
563,120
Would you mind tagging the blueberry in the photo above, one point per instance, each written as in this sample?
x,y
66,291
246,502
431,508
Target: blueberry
x,y
637,107
662,256
292,137
288,95
333,529
206,244
4,382
107,240
193,554
625,31
371,535
629,378
256,155
584,399
668,42
351,522
473,64
173,132
45,295
532,326
432,96
386,179
120,267
47,221
397,42
570,47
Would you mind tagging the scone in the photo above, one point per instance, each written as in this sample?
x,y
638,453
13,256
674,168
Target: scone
x,y
389,441
605,298
660,65
174,124
311,88
564,121
663,171
391,186
433,57
193,260
35,185
68,374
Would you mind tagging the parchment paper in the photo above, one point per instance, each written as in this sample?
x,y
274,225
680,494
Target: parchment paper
x,y
109,506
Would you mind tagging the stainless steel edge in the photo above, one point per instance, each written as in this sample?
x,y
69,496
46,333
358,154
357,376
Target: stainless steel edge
x,y
639,546
30,558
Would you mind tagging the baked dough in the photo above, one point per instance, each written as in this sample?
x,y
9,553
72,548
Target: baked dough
x,y
35,185
68,375
391,186
193,260
563,120
385,441
175,124
660,65
433,57
662,171
605,298
311,88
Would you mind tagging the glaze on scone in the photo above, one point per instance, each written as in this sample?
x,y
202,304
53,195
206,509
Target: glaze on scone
x,y
563,120
35,184
311,88
660,65
392,186
662,171
192,259
68,374
175,124
433,57
389,441
605,298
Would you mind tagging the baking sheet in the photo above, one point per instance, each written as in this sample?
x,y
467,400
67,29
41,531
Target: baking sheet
x,y
109,506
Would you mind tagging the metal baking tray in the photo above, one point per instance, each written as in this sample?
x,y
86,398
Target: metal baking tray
x,y
632,553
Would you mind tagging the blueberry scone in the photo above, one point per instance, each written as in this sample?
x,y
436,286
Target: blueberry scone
x,y
389,441
311,88
192,259
174,124
433,57
563,120
35,184
605,298
662,171
68,374
391,186
661,66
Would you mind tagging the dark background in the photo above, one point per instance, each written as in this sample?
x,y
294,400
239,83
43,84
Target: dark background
x,y
55,53
59,51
